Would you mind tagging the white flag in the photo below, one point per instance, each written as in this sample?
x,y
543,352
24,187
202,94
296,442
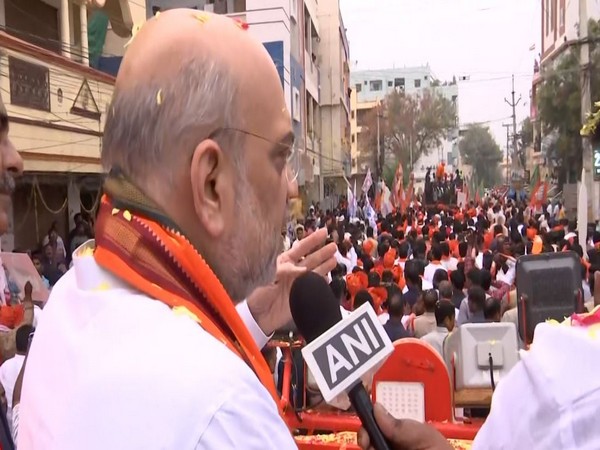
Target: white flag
x,y
368,181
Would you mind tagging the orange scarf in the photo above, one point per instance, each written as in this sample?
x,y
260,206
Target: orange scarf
x,y
138,244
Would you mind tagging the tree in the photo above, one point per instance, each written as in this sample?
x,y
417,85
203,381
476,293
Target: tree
x,y
559,105
526,133
480,151
408,123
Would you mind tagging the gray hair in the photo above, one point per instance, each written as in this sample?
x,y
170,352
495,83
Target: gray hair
x,y
153,127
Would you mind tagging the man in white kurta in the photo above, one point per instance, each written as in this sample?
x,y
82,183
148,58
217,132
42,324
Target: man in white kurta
x,y
551,399
113,369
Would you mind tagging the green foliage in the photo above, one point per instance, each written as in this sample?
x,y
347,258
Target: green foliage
x,y
559,104
408,122
480,150
420,123
389,172
526,132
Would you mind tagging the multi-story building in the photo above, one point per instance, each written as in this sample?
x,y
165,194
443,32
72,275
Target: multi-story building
x,y
560,33
371,87
333,58
56,97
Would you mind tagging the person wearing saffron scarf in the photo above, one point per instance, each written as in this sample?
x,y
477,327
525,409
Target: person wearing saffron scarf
x,y
148,343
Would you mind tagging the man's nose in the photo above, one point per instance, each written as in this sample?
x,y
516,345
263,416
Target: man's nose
x,y
292,186
11,160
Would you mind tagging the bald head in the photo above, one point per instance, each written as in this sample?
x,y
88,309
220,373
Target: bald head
x,y
181,79
167,41
199,123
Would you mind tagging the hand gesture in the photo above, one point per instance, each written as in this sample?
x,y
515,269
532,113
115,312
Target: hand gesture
x,y
269,305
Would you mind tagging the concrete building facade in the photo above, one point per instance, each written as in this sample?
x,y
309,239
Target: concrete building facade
x,y
333,58
372,86
56,99
290,31
560,32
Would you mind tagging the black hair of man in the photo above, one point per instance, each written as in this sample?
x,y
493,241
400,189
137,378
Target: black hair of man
x,y
439,276
492,309
338,287
476,298
387,276
430,298
458,280
374,279
445,290
486,280
403,250
22,338
444,310
436,252
411,272
396,306
363,297
445,248
474,276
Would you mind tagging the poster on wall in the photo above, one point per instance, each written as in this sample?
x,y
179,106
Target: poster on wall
x,y
20,270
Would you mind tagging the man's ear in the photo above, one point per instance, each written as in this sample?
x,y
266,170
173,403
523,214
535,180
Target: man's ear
x,y
206,172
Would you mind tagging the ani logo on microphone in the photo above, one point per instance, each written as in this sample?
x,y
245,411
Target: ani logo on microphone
x,y
344,353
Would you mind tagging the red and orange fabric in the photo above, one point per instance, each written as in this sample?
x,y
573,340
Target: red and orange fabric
x,y
137,243
11,316
356,282
379,295
388,259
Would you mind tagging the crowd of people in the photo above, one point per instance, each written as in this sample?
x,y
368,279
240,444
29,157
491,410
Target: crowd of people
x,y
54,254
152,339
428,271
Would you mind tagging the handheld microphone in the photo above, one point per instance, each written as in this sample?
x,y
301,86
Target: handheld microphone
x,y
340,352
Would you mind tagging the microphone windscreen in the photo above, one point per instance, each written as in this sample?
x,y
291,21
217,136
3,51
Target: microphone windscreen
x,y
313,305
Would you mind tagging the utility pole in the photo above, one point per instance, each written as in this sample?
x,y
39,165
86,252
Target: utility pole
x,y
507,126
378,164
513,105
586,106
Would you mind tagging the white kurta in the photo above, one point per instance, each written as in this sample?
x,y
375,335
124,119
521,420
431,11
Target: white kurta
x,y
551,399
110,368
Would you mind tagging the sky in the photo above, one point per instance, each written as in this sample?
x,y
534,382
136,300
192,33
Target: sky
x,y
485,40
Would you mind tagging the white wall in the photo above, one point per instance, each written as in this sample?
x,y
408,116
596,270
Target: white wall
x,y
311,76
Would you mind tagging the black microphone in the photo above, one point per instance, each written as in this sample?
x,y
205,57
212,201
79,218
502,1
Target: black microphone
x,y
315,311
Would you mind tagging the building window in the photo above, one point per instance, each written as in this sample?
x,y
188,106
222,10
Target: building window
x,y
375,85
398,82
562,16
353,138
417,83
352,114
425,77
365,82
390,83
358,87
552,14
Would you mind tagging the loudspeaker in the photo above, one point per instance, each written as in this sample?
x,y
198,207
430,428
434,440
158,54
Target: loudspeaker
x,y
548,287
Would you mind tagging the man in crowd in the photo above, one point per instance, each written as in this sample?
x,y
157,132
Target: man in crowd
x,y
444,317
394,327
9,371
426,322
